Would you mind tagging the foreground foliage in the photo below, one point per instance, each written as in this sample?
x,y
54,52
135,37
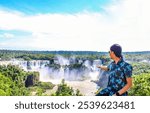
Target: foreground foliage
x,y
65,90
141,85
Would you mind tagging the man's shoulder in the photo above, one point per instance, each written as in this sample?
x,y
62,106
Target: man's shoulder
x,y
126,64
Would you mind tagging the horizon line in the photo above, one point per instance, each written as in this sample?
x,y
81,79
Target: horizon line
x,y
67,50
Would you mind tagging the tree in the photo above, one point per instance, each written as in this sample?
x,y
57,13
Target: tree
x,y
141,85
65,90
5,86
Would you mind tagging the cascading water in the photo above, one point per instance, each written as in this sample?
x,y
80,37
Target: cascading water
x,y
79,73
68,70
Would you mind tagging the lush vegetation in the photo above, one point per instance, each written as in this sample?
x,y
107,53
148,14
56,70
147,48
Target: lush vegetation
x,y
5,85
140,67
12,81
40,88
16,82
141,79
45,55
137,56
141,85
64,90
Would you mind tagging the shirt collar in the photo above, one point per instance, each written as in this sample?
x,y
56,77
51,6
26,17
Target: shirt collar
x,y
120,61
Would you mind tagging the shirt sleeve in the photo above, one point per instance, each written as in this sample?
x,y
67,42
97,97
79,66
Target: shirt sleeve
x,y
128,71
109,66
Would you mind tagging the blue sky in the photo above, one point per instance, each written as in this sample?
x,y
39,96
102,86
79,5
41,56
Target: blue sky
x,y
92,25
53,6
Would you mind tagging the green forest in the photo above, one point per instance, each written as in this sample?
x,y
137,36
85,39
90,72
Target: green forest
x,y
14,81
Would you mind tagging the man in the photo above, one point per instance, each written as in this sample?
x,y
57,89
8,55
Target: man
x,y
120,73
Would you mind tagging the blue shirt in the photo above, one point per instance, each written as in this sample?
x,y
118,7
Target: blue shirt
x,y
117,77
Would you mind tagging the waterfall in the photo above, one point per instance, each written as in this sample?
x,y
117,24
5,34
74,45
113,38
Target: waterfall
x,y
79,73
70,69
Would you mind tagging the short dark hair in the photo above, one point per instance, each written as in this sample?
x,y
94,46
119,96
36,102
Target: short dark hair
x,y
117,49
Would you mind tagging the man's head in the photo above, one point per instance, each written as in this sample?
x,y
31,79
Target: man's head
x,y
117,50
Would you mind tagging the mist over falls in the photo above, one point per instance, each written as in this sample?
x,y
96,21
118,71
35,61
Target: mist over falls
x,y
70,69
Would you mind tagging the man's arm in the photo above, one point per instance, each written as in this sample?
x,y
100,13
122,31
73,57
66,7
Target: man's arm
x,y
103,68
127,86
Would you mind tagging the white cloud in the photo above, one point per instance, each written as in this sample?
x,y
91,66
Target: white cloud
x,y
6,35
125,22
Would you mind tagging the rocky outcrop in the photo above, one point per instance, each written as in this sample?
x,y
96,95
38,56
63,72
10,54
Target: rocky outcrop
x,y
32,79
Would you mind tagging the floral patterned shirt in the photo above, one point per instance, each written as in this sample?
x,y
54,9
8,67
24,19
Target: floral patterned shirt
x,y
117,77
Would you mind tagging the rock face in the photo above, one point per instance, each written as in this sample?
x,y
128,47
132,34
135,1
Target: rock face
x,y
29,81
32,79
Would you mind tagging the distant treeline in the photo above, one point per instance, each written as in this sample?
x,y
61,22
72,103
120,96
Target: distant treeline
x,y
65,52
44,55
48,55
54,52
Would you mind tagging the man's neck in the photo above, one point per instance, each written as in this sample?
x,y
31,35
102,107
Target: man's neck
x,y
117,60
